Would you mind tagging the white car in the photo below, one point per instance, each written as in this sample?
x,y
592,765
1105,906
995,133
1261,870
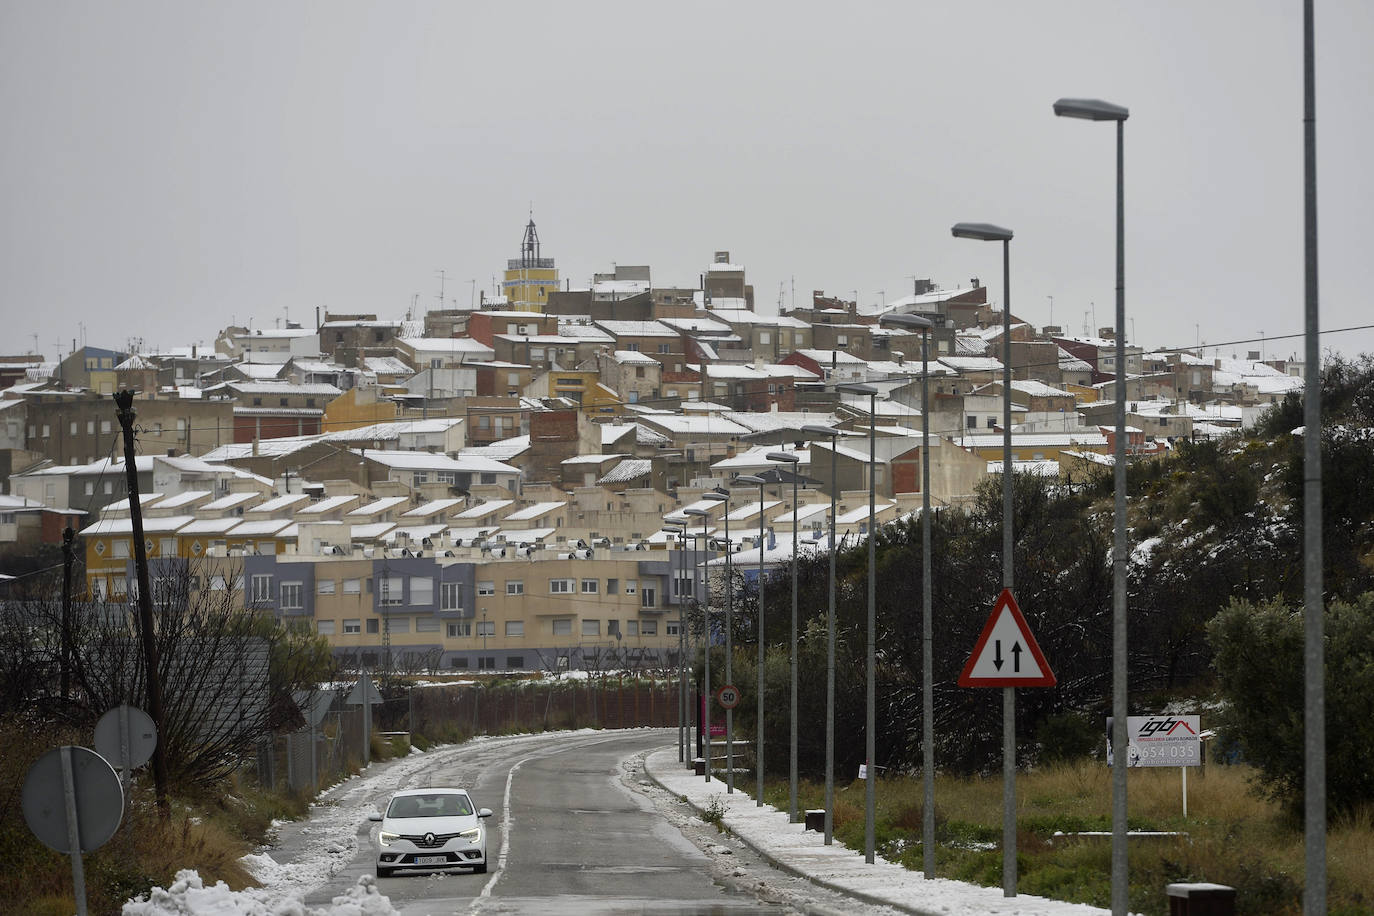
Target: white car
x,y
429,829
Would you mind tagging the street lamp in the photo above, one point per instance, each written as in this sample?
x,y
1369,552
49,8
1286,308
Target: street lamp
x,y
706,640
791,460
750,479
1098,110
724,499
924,325
680,532
986,232
815,431
870,745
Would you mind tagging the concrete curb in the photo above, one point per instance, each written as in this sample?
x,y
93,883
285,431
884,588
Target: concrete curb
x,y
790,869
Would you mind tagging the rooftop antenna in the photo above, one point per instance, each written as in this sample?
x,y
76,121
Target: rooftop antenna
x,y
441,288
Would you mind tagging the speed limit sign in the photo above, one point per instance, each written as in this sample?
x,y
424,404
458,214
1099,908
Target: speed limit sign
x,y
728,696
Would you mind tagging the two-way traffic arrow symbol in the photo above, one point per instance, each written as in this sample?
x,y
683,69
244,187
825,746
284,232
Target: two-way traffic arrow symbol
x,y
997,656
987,665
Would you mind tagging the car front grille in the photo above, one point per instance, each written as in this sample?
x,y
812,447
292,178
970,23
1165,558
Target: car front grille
x,y
439,839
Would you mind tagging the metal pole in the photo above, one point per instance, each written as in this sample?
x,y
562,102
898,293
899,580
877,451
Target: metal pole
x,y
1008,693
927,629
706,693
870,745
830,657
729,653
792,813
681,717
758,752
74,828
1120,867
1314,692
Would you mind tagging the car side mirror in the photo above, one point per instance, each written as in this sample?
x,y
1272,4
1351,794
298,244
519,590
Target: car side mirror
x,y
484,812
374,816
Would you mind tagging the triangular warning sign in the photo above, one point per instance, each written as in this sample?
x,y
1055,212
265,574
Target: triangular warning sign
x,y
1006,655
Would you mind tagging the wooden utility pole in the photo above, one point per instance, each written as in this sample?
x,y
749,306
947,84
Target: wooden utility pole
x,y
67,537
124,400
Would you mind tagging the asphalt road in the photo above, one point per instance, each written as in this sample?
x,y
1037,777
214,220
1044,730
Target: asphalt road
x,y
577,830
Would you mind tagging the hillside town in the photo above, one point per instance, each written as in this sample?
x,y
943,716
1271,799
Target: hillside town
x,y
533,482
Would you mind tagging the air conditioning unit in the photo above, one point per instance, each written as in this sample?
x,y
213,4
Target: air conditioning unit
x,y
583,553
601,542
524,550
498,552
567,556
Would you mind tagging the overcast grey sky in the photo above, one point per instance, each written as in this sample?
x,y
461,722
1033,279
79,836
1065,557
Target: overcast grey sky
x,y
169,167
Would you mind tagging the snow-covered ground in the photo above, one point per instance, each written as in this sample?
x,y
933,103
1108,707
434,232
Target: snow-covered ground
x,y
328,843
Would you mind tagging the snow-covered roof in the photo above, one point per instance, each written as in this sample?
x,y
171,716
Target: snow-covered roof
x,y
530,513
696,325
829,357
627,470
328,504
433,507
230,501
446,345
483,509
972,363
378,506
636,328
696,426
425,461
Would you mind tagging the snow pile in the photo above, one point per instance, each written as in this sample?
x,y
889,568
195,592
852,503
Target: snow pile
x,y
188,896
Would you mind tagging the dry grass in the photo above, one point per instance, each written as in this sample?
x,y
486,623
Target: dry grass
x,y
1232,837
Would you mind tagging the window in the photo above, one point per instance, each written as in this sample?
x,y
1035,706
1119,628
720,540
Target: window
x,y
515,587
262,588
290,596
71,428
109,488
420,477
632,628
612,586
324,587
674,628
427,624
90,487
631,586
486,628
90,427
992,422
516,661
390,590
458,662
421,590
353,625
591,628
665,348
104,426
591,586
217,583
121,550
972,422
373,625
449,596
486,588
561,587
649,596
648,627
463,628
515,628
398,624
682,585
47,430
562,626
324,627
353,586
765,337
167,547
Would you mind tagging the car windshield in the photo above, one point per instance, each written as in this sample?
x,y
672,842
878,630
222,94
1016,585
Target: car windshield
x,y
437,805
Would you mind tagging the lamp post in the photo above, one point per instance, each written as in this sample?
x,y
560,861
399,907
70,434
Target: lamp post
x,y
791,460
706,641
815,431
870,741
986,232
724,499
1097,110
680,532
750,479
924,325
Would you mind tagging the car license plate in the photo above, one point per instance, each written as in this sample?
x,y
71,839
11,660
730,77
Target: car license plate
x,y
431,860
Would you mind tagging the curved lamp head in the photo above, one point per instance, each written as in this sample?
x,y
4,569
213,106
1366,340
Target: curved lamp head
x,y
678,531
715,497
700,513
784,457
750,479
816,431
983,232
1090,110
906,322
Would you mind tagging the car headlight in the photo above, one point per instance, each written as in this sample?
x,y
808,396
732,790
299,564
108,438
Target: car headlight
x,y
386,839
472,834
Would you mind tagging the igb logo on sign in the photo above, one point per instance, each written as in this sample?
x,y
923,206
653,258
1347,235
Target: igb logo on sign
x,y
728,696
1160,741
